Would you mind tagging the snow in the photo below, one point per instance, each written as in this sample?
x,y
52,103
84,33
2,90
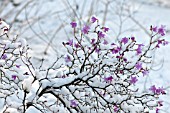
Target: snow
x,y
160,77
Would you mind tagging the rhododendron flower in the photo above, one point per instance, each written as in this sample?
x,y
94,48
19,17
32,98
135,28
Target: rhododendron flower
x,y
165,43
155,29
67,58
70,42
73,24
125,59
133,80
85,29
160,91
4,56
161,30
145,72
14,77
108,79
153,88
139,49
116,108
97,50
124,40
105,42
101,35
160,103
157,91
76,45
105,29
18,66
93,19
138,65
73,103
92,41
157,110
133,38
115,50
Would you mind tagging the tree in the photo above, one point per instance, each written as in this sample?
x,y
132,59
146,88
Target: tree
x,y
95,75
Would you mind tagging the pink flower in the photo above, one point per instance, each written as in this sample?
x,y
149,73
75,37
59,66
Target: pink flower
x,y
153,88
92,41
145,72
4,56
116,108
73,103
67,58
139,49
97,50
133,80
124,40
133,38
76,45
138,65
155,29
101,35
105,29
108,79
14,77
157,91
115,50
157,110
85,29
70,42
73,24
105,42
93,19
160,103
162,30
18,66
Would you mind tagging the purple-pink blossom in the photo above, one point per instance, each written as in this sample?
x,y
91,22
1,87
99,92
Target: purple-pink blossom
x,y
115,50
124,40
145,72
116,108
14,77
133,80
67,58
86,29
97,50
161,30
108,79
4,56
155,29
163,42
157,110
105,29
105,42
133,38
138,65
139,49
101,35
73,103
157,91
70,42
160,103
153,88
76,45
93,19
73,24
93,41
18,66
